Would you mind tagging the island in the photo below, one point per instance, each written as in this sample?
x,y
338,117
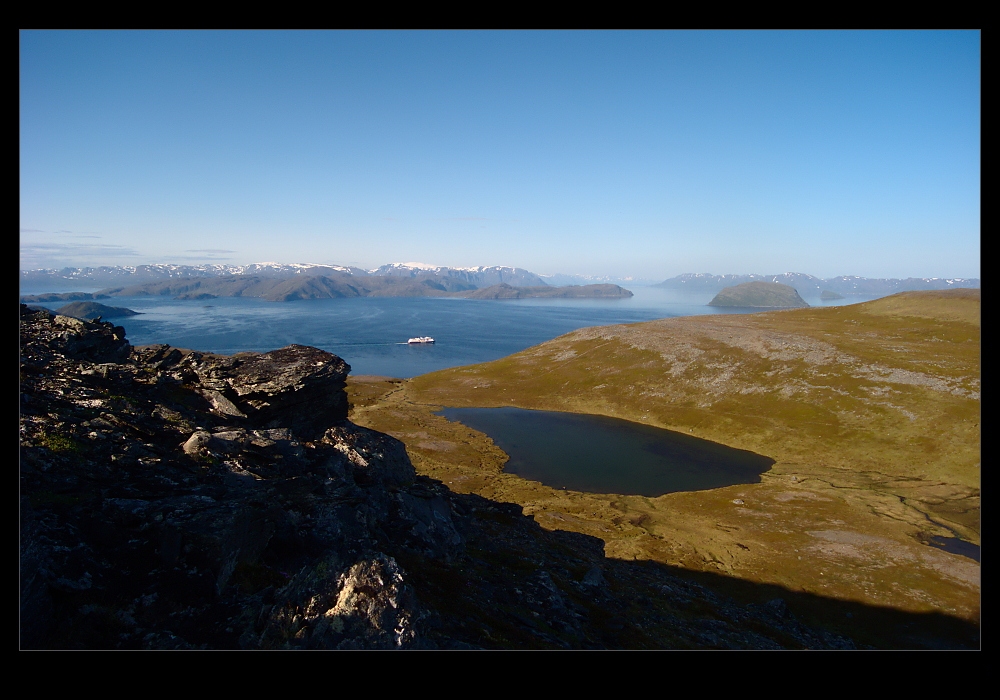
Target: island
x,y
759,295
87,310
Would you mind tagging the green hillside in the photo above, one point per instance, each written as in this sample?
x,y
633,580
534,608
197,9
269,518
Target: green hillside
x,y
871,413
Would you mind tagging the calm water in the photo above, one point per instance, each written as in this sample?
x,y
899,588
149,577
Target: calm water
x,y
371,333
954,545
607,455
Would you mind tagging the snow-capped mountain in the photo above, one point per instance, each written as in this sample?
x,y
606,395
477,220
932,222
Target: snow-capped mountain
x,y
482,276
107,276
140,274
562,280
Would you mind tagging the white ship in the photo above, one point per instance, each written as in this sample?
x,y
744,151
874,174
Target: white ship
x,y
421,340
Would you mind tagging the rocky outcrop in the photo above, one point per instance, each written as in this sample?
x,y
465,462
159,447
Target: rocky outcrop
x,y
173,500
74,339
191,482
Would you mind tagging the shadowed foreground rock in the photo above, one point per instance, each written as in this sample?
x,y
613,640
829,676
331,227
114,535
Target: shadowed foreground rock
x,y
174,499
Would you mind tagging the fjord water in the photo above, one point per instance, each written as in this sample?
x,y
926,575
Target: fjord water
x,y
370,333
598,454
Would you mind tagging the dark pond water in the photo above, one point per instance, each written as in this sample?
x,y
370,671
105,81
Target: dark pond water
x,y
955,545
607,455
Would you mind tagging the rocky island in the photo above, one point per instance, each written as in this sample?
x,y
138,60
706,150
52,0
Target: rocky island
x,y
173,499
89,310
759,295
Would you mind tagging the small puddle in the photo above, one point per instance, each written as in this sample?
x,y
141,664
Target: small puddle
x,y
597,454
954,545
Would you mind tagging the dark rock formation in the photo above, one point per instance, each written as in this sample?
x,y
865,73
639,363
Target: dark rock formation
x,y
188,483
759,295
173,499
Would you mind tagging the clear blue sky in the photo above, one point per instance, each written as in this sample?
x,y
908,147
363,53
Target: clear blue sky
x,y
601,153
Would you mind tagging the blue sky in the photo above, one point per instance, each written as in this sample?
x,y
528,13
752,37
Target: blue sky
x,y
646,154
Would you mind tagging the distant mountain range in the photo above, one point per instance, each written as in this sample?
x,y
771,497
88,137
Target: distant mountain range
x,y
418,279
277,282
561,280
452,278
588,291
810,286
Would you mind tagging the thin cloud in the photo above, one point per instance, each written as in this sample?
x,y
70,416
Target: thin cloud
x,y
477,218
38,255
209,250
86,249
204,257
32,230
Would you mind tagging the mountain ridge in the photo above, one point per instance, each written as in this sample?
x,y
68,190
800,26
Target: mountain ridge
x,y
117,275
335,286
47,279
809,285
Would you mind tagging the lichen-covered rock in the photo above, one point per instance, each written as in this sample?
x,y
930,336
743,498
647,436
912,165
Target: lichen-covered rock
x,y
368,605
375,458
296,387
71,337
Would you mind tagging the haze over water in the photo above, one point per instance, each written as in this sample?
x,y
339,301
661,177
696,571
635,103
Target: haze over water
x,y
370,333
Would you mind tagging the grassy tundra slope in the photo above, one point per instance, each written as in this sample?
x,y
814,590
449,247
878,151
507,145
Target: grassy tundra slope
x,y
870,411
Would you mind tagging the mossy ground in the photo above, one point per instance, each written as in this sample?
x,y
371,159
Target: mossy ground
x,y
871,413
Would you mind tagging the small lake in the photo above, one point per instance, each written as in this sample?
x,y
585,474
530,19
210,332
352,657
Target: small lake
x,y
598,454
954,545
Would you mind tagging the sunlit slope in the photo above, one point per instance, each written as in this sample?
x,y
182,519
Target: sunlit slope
x,y
887,390
871,413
